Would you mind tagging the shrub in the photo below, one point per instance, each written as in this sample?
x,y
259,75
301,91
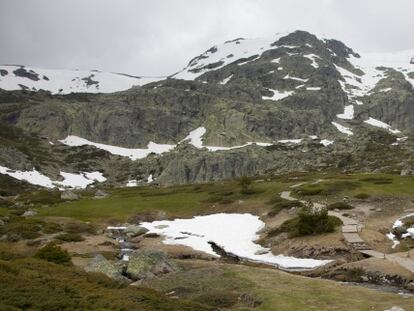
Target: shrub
x,y
51,227
340,206
378,180
308,222
53,253
315,222
309,191
362,196
70,237
80,228
246,185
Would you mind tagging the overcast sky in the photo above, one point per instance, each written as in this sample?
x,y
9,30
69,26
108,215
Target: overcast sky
x,y
158,37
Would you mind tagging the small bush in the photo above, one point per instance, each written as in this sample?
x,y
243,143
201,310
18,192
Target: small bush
x,y
308,222
51,227
53,253
340,206
69,237
246,185
362,196
80,228
378,180
316,222
309,191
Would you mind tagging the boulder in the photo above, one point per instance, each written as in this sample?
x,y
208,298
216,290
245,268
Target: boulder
x,y
102,265
135,230
69,195
146,264
29,213
100,194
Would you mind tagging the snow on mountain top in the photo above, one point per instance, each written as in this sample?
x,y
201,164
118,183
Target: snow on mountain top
x,y
230,51
67,81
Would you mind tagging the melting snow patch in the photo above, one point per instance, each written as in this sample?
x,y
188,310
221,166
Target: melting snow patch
x,y
378,123
132,183
342,129
313,88
295,78
71,180
235,233
150,179
385,90
290,141
348,113
313,58
326,142
133,154
224,81
278,95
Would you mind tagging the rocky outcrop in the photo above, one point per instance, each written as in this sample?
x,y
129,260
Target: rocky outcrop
x,y
146,264
101,265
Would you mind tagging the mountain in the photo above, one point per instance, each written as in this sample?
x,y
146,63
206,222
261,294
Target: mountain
x,y
14,77
292,102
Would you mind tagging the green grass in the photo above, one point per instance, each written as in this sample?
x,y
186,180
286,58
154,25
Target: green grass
x,y
179,201
34,284
354,184
186,201
275,290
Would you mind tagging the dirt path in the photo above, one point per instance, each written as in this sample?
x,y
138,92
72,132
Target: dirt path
x,y
350,231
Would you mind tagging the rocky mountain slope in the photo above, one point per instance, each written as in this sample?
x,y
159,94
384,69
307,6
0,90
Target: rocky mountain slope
x,y
247,107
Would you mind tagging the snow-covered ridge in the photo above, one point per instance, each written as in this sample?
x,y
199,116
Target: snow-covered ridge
x,y
67,81
70,180
235,233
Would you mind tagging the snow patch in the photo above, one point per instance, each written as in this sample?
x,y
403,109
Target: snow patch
x,y
343,129
277,95
313,58
131,153
378,123
235,233
224,81
348,113
70,180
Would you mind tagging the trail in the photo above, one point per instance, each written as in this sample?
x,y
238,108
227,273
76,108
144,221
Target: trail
x,y
350,231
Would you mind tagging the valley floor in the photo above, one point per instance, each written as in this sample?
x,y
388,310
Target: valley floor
x,y
377,200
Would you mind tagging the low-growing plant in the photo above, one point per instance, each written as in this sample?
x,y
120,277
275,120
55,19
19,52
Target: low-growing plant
x,y
53,253
308,222
362,196
80,227
340,206
70,237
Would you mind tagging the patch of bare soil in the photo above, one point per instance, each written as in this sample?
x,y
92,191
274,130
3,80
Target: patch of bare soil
x,y
93,244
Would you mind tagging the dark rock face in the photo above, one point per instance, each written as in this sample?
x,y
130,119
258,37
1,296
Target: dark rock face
x,y
22,72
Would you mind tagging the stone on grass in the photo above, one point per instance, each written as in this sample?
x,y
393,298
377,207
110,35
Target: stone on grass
x,y
146,264
100,194
29,213
69,195
100,264
135,230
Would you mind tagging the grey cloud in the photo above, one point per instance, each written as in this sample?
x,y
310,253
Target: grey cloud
x,y
156,37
